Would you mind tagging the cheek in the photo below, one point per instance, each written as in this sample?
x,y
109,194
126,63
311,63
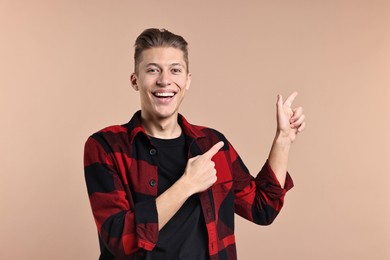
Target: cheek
x,y
144,92
181,82
144,86
145,95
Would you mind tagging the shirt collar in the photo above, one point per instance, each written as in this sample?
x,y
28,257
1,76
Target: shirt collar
x,y
134,127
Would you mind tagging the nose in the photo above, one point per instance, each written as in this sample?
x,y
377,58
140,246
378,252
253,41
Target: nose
x,y
164,79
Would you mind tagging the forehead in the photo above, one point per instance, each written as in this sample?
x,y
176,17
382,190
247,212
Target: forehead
x,y
162,56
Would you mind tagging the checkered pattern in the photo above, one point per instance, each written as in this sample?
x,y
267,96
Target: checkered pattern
x,y
121,176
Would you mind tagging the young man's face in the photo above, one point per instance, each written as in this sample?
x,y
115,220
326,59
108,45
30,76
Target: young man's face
x,y
162,81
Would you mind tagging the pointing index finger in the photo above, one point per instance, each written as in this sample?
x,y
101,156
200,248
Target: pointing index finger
x,y
213,150
291,98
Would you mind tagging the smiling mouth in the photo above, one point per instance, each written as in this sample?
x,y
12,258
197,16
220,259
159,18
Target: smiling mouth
x,y
164,94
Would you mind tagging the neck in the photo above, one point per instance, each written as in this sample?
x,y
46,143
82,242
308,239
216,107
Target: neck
x,y
164,128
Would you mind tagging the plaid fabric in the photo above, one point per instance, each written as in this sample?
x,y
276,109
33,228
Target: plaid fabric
x,y
121,176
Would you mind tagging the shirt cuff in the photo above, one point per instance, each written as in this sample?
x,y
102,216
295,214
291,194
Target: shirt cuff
x,y
270,183
146,220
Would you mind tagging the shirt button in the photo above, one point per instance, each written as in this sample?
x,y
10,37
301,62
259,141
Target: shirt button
x,y
152,182
152,151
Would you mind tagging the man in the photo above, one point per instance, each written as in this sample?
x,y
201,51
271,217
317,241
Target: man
x,y
161,188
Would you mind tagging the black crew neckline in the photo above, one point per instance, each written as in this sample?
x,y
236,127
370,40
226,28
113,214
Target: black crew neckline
x,y
168,142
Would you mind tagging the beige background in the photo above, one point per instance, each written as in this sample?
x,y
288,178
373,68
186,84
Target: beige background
x,y
64,74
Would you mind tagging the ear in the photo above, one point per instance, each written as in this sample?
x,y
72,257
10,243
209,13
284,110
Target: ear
x,y
189,76
133,80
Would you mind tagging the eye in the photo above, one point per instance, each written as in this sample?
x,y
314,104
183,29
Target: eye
x,y
176,70
152,70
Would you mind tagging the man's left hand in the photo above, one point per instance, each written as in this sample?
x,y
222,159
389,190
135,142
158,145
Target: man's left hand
x,y
290,121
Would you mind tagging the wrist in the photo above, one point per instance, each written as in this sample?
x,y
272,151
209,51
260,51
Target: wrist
x,y
184,184
281,140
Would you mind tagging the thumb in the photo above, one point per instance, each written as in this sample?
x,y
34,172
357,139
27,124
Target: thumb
x,y
279,102
213,150
279,105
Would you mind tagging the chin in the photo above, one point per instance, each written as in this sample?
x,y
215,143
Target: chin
x,y
166,114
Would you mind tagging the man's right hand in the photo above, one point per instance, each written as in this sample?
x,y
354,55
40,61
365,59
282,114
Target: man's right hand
x,y
200,173
198,176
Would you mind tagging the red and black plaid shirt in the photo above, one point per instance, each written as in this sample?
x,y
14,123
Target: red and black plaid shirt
x,y
121,176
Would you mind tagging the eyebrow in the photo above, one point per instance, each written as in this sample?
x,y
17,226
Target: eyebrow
x,y
157,65
177,64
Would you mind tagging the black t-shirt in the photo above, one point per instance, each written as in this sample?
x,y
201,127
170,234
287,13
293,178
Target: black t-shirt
x,y
185,235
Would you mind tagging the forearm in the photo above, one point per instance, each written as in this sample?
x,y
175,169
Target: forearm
x,y
169,202
278,157
199,175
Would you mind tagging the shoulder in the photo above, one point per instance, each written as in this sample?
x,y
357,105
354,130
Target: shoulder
x,y
198,131
205,131
113,130
122,129
109,136
201,132
211,132
210,136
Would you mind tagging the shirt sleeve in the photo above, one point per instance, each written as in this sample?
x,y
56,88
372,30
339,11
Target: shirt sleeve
x,y
258,199
123,227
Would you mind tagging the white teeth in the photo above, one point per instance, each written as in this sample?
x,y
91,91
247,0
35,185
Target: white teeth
x,y
163,94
